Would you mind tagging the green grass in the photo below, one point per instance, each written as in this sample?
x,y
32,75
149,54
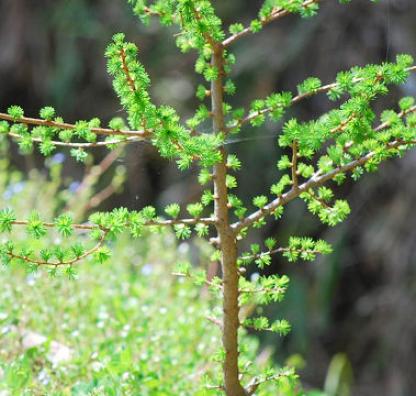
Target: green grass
x,y
128,327
132,327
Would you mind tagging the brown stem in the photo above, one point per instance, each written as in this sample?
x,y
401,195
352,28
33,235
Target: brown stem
x,y
127,71
276,14
318,179
295,165
227,242
300,97
315,181
65,125
156,222
105,143
55,264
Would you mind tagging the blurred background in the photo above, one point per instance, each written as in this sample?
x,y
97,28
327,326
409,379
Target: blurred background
x,y
359,302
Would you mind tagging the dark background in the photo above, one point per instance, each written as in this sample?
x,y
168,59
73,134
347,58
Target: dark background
x,y
360,300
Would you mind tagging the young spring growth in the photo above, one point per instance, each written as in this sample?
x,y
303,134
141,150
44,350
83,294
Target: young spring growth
x,y
406,103
342,142
102,254
35,226
230,182
278,188
173,210
63,224
207,197
47,113
16,112
309,86
79,154
7,217
260,201
236,28
305,249
195,209
233,162
182,231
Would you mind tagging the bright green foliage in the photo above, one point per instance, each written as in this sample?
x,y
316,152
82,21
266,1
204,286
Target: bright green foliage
x,y
35,226
64,225
7,217
309,86
305,249
16,112
316,156
131,83
262,323
47,113
173,210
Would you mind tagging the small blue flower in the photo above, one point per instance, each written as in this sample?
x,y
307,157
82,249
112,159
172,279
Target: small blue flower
x,y
73,187
58,158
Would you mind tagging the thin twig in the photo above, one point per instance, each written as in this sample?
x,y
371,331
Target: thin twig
x,y
256,382
278,250
295,165
127,71
82,227
101,196
61,263
317,179
275,15
216,321
311,183
81,145
300,97
64,125
89,227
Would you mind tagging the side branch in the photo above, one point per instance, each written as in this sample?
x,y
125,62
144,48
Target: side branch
x,y
300,97
92,227
203,220
63,125
314,181
81,145
275,251
275,15
256,382
80,227
208,38
56,264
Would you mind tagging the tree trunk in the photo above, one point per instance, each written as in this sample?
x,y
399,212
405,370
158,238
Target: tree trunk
x,y
227,242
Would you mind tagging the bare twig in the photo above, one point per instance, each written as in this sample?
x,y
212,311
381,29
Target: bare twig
x,y
101,196
216,321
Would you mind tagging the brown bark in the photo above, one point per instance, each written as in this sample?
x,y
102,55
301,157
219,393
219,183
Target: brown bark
x,y
227,241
